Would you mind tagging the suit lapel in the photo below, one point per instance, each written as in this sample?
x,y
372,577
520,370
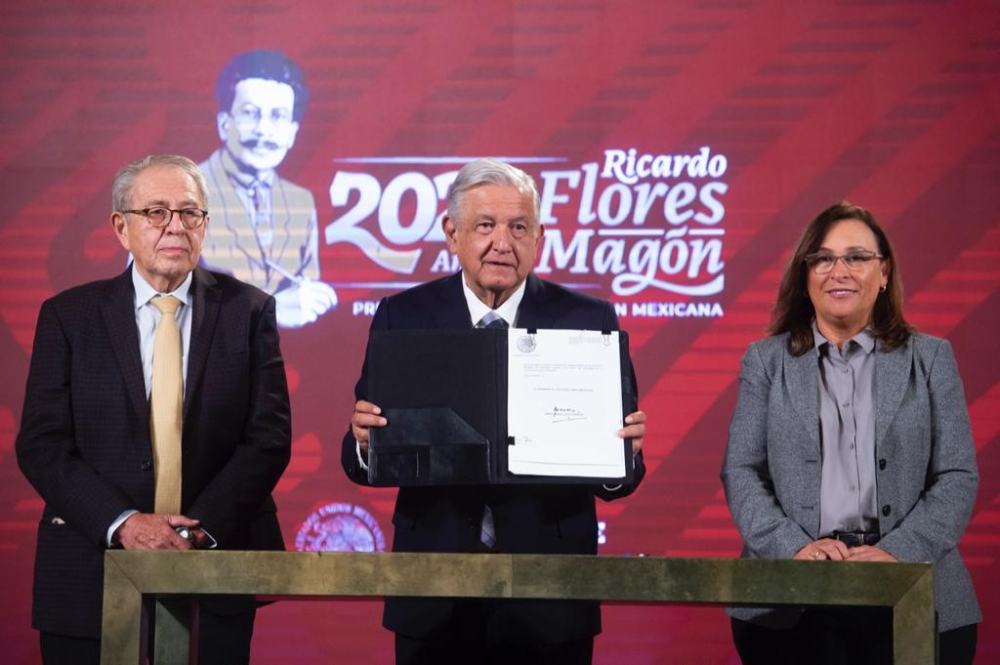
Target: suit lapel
x,y
281,220
802,381
206,302
452,311
234,213
891,373
118,311
532,312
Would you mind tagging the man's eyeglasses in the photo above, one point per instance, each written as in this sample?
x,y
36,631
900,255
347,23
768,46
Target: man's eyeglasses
x,y
159,217
252,116
856,261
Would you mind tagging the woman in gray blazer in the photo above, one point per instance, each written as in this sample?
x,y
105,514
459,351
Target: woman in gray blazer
x,y
850,442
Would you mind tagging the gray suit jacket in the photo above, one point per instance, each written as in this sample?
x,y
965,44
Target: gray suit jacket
x,y
230,245
927,477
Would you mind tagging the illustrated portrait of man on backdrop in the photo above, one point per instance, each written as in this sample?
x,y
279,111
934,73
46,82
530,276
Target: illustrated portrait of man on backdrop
x,y
264,231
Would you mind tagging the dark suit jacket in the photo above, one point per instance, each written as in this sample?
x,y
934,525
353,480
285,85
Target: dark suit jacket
x,y
558,519
926,478
84,442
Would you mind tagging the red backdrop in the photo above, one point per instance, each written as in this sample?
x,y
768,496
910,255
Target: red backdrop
x,y
773,109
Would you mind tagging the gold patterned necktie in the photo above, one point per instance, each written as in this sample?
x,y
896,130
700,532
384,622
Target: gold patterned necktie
x,y
166,407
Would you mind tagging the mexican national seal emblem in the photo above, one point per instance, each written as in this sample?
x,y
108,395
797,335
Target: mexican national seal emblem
x,y
526,344
340,527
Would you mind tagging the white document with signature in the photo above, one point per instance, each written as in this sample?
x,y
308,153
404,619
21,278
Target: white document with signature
x,y
564,403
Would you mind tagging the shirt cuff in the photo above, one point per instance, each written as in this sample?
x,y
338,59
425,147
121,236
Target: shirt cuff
x,y
212,542
117,523
361,461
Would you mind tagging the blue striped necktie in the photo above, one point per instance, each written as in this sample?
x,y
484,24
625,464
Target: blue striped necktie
x,y
487,533
492,320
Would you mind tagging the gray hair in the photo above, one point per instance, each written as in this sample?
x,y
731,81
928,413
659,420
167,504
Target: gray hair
x,y
490,171
121,189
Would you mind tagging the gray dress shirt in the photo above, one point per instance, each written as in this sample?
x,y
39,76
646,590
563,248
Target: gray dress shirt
x,y
848,496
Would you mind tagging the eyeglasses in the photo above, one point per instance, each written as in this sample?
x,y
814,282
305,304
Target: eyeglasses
x,y
159,216
252,116
856,261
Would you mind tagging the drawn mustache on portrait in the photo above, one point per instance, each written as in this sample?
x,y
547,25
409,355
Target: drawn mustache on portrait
x,y
255,143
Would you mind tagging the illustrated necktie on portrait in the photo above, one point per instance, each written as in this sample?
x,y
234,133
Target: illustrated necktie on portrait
x,y
262,215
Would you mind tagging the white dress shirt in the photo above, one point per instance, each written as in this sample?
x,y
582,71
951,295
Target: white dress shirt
x,y
507,311
147,317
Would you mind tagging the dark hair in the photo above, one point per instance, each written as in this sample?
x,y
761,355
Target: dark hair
x,y
793,312
263,64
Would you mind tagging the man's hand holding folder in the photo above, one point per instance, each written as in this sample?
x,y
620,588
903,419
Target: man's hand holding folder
x,y
367,415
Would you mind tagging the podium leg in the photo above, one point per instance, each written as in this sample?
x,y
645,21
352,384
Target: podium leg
x,y
122,620
175,637
914,625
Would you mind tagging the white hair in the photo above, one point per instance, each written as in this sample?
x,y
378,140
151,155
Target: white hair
x,y
490,171
121,189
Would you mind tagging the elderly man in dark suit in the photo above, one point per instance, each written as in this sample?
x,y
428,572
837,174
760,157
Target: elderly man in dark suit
x,y
492,226
156,416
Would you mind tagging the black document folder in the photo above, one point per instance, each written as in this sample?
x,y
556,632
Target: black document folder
x,y
444,395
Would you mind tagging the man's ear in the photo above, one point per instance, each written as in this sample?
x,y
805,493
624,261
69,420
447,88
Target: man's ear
x,y
120,225
293,130
450,232
222,120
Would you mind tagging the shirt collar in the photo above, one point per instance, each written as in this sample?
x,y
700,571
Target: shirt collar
x,y
864,339
144,292
241,178
508,310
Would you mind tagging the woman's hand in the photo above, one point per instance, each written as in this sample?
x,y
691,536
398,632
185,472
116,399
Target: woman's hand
x,y
870,553
824,549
